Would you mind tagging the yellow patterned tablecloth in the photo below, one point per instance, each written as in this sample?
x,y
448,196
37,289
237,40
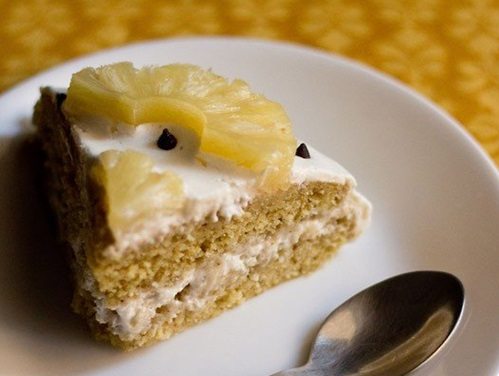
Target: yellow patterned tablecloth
x,y
446,49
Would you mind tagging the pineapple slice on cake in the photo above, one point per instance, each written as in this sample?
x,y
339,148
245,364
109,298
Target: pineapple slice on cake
x,y
133,189
230,120
125,94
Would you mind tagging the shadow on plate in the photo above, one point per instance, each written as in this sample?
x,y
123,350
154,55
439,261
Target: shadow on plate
x,y
38,331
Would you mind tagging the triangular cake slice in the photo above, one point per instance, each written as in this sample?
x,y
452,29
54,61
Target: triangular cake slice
x,y
181,194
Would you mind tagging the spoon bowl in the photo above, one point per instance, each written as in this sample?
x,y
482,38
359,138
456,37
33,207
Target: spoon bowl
x,y
390,328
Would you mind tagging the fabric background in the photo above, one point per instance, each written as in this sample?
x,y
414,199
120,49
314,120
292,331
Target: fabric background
x,y
447,50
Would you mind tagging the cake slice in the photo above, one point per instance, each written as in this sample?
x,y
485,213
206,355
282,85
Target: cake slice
x,y
179,195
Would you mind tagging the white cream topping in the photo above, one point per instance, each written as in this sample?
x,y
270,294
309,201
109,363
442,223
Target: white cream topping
x,y
207,281
203,175
213,187
319,168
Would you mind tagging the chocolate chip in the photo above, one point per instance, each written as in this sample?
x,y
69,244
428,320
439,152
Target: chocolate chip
x,y
60,98
166,141
302,151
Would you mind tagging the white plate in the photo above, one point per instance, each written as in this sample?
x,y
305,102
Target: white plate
x,y
436,206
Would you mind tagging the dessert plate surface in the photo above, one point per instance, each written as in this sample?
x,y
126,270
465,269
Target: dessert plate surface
x,y
436,206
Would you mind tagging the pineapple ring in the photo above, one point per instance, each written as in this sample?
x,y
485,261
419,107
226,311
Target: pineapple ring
x,y
230,120
105,91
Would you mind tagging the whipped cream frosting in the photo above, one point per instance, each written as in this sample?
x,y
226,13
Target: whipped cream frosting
x,y
204,175
214,188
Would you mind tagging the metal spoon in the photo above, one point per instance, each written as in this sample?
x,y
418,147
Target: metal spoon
x,y
388,329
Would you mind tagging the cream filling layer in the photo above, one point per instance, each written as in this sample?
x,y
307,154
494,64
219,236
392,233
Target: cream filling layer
x,y
207,281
